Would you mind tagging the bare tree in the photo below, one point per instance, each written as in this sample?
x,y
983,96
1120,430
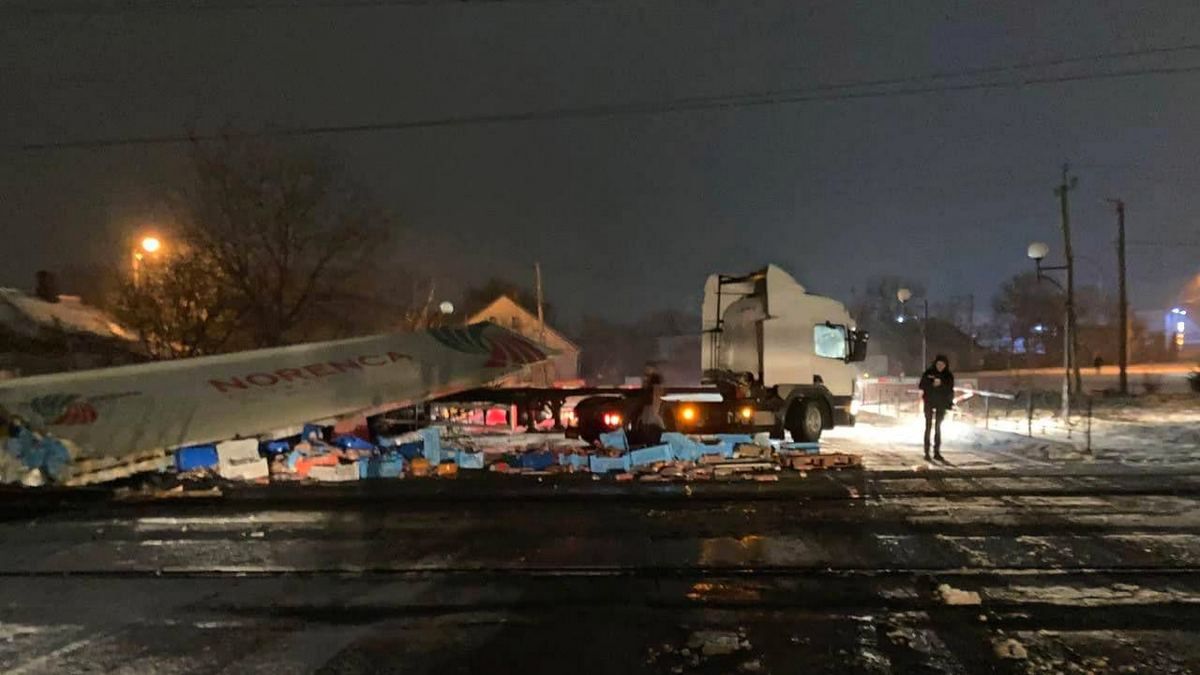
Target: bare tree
x,y
379,298
179,306
282,229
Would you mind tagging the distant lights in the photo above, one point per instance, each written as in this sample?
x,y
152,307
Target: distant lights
x,y
1179,310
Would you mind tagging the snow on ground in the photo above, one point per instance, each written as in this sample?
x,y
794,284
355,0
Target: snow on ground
x,y
888,444
1142,431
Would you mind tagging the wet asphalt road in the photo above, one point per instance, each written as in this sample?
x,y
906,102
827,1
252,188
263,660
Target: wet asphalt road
x,y
1088,570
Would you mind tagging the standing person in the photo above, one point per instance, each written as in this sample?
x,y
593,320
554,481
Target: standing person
x,y
650,426
937,389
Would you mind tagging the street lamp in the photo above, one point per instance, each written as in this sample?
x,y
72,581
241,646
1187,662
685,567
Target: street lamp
x,y
149,245
1038,252
446,308
904,295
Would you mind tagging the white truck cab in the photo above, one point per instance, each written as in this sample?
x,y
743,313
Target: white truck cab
x,y
766,339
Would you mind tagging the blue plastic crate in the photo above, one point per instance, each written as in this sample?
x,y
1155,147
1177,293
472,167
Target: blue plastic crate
x,y
800,448
277,447
615,440
573,460
410,451
735,438
196,457
310,430
682,447
600,464
722,448
469,460
650,455
388,466
538,460
432,438
349,442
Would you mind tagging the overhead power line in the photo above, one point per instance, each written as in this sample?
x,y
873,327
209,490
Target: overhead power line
x,y
92,7
1165,244
817,93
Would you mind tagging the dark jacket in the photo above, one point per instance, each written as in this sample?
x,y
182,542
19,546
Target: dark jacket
x,y
940,396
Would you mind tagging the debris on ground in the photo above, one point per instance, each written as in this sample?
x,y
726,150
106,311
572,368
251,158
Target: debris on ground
x,y
148,493
1010,649
957,596
315,453
716,642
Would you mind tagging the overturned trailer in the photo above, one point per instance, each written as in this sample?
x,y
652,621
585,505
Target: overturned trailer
x,y
126,411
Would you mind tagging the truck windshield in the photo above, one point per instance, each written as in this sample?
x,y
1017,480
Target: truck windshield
x,y
829,341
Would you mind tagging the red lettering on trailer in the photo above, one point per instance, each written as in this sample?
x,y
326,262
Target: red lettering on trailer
x,y
320,369
235,383
325,369
261,379
288,374
343,366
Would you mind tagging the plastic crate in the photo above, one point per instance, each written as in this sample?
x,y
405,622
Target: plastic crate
x,y
656,453
196,457
601,464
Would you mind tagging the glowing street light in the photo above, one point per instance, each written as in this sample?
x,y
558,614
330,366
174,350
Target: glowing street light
x,y
1037,252
149,245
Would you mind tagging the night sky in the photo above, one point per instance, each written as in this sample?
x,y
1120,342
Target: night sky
x,y
628,213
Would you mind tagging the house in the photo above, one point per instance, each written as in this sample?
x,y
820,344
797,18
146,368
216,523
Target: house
x,y
47,333
563,368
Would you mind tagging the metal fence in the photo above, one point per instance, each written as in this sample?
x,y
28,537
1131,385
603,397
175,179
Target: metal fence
x,y
1014,412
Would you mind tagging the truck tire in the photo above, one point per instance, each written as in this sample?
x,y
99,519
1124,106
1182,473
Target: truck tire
x,y
806,421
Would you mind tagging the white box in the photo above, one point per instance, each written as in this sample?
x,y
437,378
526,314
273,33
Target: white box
x,y
239,460
334,474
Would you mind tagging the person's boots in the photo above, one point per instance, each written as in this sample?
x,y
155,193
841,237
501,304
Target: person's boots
x,y
927,454
937,455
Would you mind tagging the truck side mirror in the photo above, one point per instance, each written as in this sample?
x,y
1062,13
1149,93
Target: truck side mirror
x,y
858,346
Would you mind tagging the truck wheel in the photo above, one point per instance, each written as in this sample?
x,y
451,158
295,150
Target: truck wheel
x,y
806,421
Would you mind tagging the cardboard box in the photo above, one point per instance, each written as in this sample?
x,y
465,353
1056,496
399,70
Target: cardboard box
x,y
239,460
339,473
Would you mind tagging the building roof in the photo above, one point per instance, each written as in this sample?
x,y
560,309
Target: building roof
x,y
33,317
505,306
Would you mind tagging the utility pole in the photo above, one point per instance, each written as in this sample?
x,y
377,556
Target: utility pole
x,y
971,330
537,274
925,337
1123,309
541,314
1068,183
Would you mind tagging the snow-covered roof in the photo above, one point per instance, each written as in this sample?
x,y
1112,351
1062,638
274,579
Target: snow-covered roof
x,y
31,316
